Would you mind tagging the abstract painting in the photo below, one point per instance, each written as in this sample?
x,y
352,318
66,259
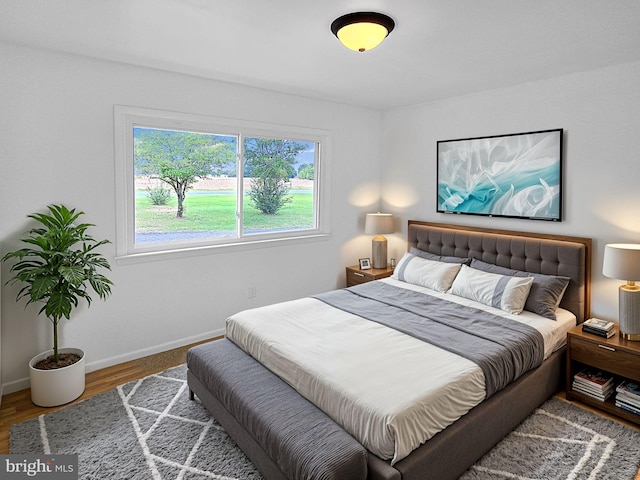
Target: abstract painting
x,y
517,175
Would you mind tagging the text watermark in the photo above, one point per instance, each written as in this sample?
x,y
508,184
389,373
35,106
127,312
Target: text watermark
x,y
50,467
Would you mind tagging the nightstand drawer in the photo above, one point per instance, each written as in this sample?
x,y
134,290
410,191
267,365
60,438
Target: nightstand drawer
x,y
606,357
356,278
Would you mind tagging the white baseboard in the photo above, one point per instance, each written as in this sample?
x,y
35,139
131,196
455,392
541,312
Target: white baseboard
x,y
23,383
15,386
163,347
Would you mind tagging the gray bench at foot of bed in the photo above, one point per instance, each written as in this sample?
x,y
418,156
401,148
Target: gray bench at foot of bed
x,y
299,439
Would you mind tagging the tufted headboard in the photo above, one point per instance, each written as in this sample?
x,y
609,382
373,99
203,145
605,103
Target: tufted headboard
x,y
529,252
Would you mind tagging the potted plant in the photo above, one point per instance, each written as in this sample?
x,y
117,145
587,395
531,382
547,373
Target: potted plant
x,y
57,269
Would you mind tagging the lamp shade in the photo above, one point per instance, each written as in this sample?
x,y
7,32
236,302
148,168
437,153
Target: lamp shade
x,y
378,223
622,261
362,31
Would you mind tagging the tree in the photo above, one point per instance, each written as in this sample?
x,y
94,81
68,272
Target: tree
x,y
305,172
180,158
269,162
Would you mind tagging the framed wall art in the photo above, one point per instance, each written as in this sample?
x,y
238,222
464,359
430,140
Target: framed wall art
x,y
517,175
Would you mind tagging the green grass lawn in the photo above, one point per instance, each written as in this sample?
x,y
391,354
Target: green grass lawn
x,y
217,212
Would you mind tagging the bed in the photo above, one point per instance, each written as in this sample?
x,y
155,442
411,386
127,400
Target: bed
x,y
293,426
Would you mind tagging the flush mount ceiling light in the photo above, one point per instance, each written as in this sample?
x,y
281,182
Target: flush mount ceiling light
x,y
362,31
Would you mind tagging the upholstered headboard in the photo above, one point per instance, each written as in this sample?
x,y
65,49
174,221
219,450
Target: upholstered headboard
x,y
529,252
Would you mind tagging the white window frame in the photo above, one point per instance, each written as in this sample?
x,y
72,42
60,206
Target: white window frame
x,y
126,118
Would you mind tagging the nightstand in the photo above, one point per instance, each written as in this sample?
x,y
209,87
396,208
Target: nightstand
x,y
356,276
613,355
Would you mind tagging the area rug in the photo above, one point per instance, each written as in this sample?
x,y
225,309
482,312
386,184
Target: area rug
x,y
149,429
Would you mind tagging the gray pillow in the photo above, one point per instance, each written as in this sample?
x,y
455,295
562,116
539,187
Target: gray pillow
x,y
546,290
439,258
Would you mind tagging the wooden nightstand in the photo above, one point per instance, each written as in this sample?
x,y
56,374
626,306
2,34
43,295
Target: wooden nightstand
x,y
355,276
614,355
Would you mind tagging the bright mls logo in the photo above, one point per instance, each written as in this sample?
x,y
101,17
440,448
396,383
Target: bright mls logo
x,y
51,467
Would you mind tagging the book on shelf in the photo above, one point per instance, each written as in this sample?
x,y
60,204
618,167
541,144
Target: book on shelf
x,y
629,388
596,323
593,389
594,383
623,397
628,407
602,396
595,378
600,333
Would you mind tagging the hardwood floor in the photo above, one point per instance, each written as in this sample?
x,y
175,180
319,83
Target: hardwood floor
x,y
17,407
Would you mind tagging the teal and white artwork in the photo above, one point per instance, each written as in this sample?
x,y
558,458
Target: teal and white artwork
x,y
517,175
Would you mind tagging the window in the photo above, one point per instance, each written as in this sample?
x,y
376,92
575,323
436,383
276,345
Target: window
x,y
187,183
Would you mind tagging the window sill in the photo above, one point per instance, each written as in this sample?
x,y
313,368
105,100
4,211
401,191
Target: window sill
x,y
187,252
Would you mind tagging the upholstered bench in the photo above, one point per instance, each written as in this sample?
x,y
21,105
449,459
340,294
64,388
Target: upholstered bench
x,y
284,435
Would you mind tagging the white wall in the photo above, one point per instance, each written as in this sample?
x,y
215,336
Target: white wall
x,y
599,112
57,145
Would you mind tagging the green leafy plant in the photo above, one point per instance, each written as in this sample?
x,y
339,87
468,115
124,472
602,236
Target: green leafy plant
x,y
59,265
306,172
159,195
270,165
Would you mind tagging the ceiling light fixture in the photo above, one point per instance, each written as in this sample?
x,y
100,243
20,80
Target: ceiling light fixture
x,y
362,31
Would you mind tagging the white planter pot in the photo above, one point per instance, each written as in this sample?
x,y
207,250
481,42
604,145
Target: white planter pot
x,y
50,388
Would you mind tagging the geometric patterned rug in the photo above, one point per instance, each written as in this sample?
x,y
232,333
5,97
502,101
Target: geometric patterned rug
x,y
562,441
145,429
154,419
149,429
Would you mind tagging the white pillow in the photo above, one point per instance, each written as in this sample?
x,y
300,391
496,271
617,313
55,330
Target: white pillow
x,y
426,273
501,291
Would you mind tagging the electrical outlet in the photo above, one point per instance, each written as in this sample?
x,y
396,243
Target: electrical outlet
x,y
252,292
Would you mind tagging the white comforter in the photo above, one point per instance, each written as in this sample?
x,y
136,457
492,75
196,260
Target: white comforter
x,y
391,391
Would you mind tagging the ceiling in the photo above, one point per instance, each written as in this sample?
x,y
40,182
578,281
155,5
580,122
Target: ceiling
x,y
439,48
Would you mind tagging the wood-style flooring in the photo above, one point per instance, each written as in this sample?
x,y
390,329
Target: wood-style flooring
x,y
17,407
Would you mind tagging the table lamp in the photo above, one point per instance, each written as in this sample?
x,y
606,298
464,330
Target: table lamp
x,y
622,261
377,224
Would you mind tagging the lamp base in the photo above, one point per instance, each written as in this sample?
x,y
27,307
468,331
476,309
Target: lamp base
x,y
629,312
379,252
634,337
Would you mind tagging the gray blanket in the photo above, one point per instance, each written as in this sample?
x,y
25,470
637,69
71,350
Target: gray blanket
x,y
504,349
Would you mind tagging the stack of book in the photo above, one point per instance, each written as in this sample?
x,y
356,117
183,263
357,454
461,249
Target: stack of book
x,y
594,383
628,396
599,327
